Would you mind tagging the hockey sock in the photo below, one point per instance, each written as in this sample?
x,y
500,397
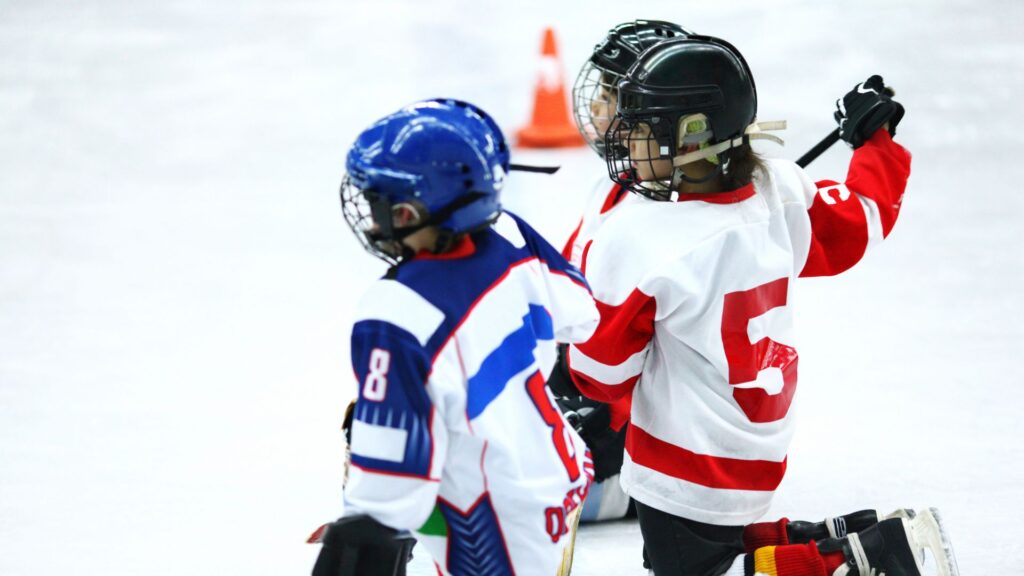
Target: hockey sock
x,y
764,534
795,560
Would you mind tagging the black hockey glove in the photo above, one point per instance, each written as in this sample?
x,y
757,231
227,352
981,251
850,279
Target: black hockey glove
x,y
593,421
560,381
361,546
865,109
590,418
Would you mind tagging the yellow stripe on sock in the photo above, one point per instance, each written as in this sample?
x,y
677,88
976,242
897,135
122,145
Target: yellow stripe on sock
x,y
764,561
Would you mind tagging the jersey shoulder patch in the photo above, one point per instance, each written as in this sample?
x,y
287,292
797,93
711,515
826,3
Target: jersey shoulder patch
x,y
395,303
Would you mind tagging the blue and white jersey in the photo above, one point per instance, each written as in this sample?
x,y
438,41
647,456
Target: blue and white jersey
x,y
455,436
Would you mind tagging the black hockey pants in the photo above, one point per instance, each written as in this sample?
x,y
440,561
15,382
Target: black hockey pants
x,y
676,546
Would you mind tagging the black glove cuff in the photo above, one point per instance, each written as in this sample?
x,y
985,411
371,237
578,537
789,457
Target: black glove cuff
x,y
560,380
359,530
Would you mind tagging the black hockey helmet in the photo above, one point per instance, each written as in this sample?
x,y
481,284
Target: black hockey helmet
x,y
624,43
600,74
695,95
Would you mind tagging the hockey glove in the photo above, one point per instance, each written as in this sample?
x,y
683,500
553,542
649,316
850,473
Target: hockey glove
x,y
592,420
560,381
865,109
361,546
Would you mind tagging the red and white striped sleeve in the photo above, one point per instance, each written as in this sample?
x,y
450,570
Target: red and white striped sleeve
x,y
607,366
848,218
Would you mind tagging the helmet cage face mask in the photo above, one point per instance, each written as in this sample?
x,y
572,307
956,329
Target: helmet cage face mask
x,y
595,86
594,100
642,159
370,216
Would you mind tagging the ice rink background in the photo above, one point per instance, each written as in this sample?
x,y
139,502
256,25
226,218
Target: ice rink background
x,y
177,283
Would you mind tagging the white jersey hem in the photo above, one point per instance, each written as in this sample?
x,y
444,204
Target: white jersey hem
x,y
692,513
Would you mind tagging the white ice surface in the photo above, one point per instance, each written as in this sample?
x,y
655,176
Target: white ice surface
x,y
176,281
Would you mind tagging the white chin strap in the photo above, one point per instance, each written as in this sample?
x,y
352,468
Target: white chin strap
x,y
755,131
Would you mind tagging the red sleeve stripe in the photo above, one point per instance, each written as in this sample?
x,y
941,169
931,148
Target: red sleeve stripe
x,y
620,412
623,331
711,471
601,391
879,170
603,373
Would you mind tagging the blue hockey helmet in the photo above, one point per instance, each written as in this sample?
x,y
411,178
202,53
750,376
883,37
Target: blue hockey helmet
x,y
444,160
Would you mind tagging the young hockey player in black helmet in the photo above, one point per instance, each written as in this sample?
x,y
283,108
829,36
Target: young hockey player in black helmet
x,y
692,274
595,97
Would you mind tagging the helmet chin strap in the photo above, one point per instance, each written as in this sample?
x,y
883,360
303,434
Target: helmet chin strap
x,y
755,131
679,175
387,233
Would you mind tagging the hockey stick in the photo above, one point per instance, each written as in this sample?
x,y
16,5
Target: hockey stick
x,y
818,148
536,169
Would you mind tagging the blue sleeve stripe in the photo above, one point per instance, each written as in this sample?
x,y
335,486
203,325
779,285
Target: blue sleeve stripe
x,y
514,355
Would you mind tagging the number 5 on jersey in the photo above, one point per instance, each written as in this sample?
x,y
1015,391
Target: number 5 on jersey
x,y
747,359
375,388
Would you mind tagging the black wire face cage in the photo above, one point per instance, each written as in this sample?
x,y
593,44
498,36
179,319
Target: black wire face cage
x,y
645,147
649,173
362,215
594,90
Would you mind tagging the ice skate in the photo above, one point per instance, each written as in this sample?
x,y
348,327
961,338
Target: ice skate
x,y
893,548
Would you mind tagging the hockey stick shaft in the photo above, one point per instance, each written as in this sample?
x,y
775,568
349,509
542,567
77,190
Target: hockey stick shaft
x,y
818,148
537,169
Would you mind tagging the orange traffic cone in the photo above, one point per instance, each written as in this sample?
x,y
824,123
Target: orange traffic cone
x,y
550,126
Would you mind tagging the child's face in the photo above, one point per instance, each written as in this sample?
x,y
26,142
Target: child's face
x,y
602,109
645,155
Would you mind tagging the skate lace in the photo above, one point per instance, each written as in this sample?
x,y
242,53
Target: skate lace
x,y
860,557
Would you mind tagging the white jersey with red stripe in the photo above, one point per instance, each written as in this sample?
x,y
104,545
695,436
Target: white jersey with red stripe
x,y
455,436
604,197
606,500
697,324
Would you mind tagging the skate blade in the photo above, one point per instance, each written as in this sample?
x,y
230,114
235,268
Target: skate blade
x,y
929,532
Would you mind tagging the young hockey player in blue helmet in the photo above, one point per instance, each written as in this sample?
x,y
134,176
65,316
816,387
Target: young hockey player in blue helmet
x,y
454,437
692,275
